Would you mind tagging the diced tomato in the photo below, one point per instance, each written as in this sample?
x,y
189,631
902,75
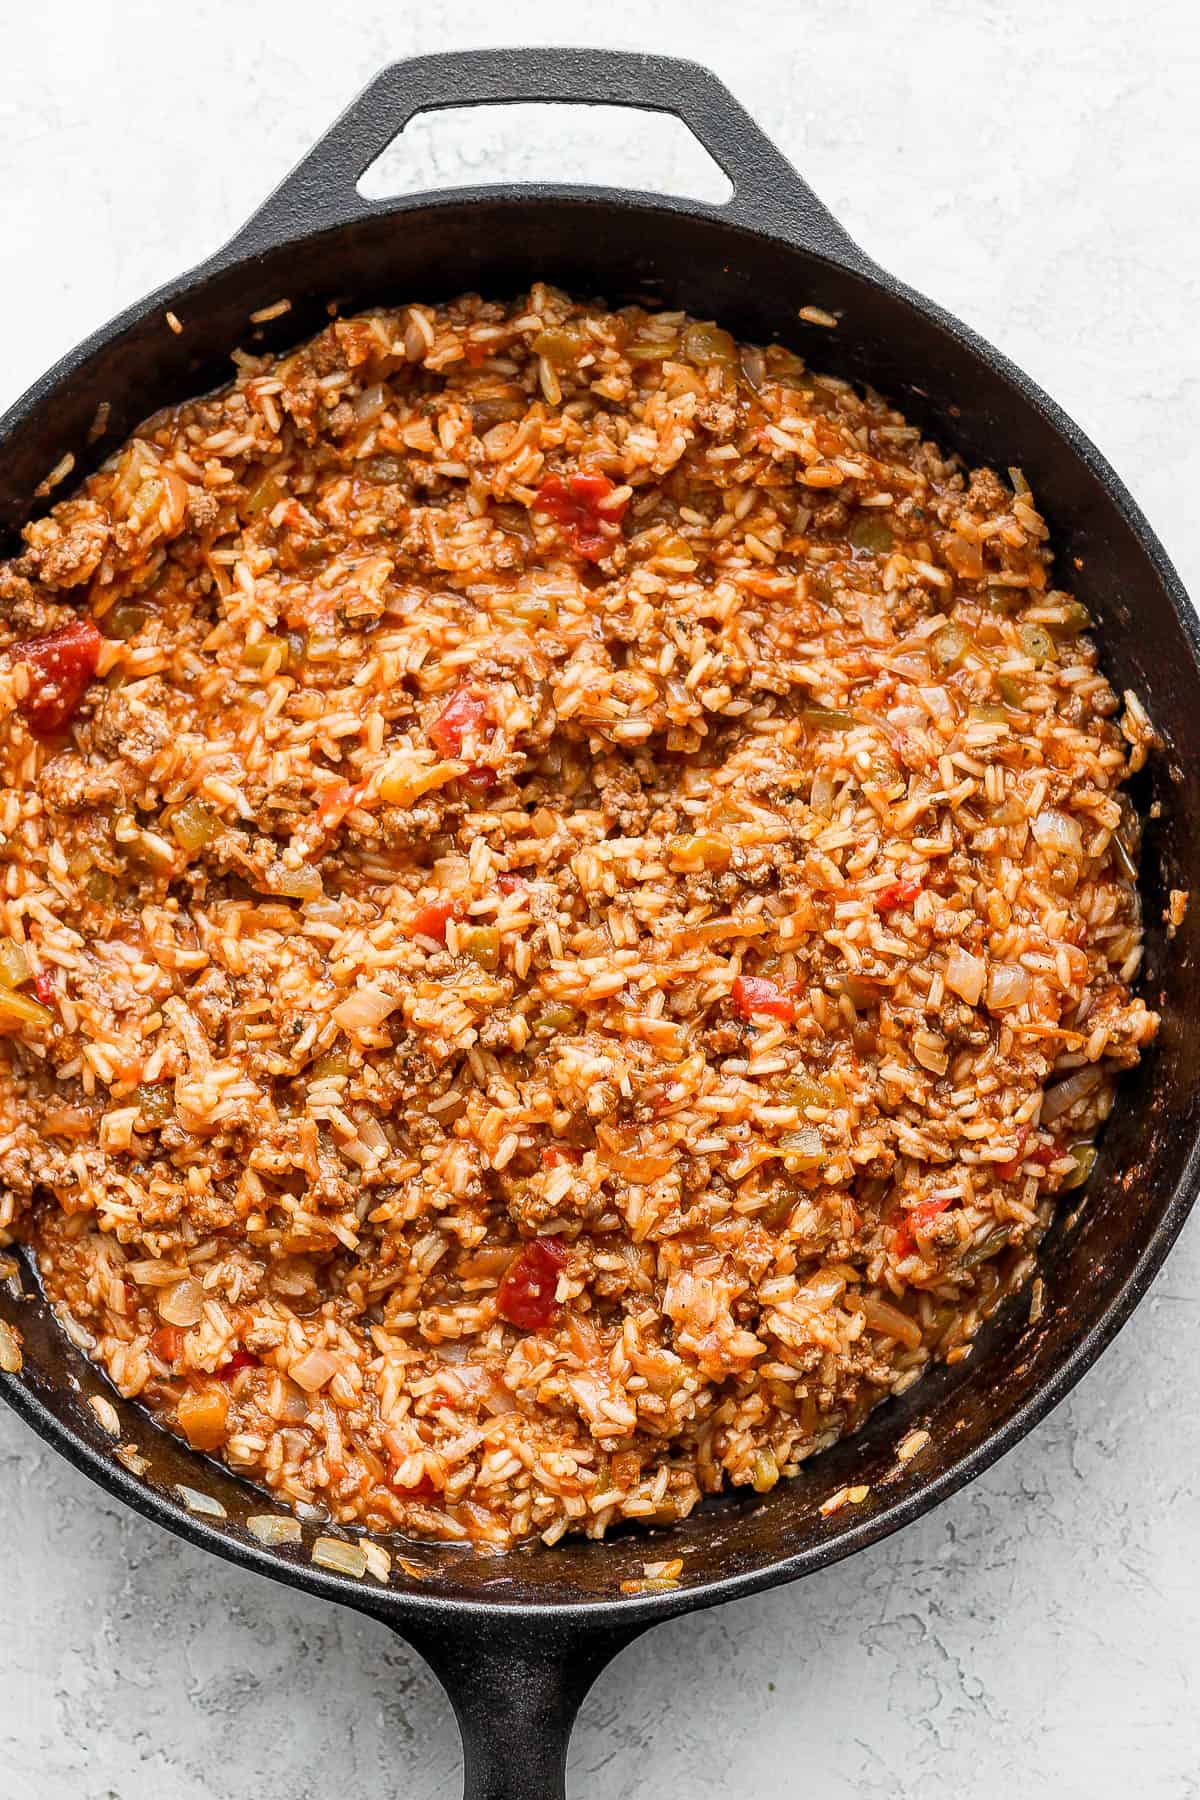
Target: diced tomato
x,y
60,667
424,1490
241,1359
511,884
462,715
919,1219
476,353
576,505
1007,1171
900,893
1041,1153
310,611
526,1295
167,1342
431,921
756,994
43,987
557,1154
481,777
337,801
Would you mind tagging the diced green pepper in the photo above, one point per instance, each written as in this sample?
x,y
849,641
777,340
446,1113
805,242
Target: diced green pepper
x,y
950,645
1076,619
556,1015
1083,1161
14,964
261,651
803,1149
652,349
1037,643
155,1101
828,716
482,945
193,825
706,343
303,883
124,621
18,1011
562,345
871,532
765,1473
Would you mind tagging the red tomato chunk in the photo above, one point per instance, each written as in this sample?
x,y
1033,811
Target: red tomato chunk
x,y
337,801
461,717
1043,1154
755,994
919,1219
900,893
575,505
166,1342
43,987
557,1155
424,1490
60,667
241,1359
431,921
526,1295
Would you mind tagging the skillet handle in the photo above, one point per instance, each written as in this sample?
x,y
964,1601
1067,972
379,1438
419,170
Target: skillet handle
x,y
768,194
516,1688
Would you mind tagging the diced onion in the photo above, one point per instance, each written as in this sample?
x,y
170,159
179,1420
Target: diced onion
x,y
156,1274
106,1414
821,798
11,1360
965,975
964,555
1008,985
367,1006
204,1504
939,702
182,1304
823,1288
314,1370
1060,1098
271,1529
342,1559
378,1561
1058,832
883,1317
369,404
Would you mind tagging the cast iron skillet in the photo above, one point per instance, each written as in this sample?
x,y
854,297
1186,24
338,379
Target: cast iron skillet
x,y
518,1639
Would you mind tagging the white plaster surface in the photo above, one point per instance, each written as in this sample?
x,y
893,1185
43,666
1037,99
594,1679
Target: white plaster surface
x,y
1034,166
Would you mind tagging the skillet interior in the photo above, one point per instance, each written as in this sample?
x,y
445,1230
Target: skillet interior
x,y
595,244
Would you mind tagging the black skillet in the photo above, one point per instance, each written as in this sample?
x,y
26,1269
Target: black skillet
x,y
517,1640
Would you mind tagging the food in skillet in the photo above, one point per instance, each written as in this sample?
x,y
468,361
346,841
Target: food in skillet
x,y
567,918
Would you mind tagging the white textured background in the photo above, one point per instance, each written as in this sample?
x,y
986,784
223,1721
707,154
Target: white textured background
x,y
1035,166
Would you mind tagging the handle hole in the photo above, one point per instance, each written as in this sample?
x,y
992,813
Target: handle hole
x,y
602,146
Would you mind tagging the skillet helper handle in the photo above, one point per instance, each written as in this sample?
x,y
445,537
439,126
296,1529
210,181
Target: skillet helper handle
x,y
768,194
516,1688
